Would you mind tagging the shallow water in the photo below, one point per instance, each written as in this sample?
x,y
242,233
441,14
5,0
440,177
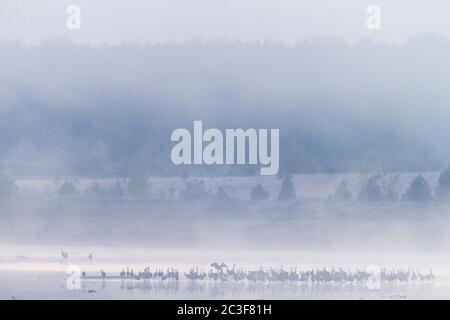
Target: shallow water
x,y
51,285
40,273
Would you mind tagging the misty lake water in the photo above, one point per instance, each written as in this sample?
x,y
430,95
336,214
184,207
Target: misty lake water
x,y
28,285
43,275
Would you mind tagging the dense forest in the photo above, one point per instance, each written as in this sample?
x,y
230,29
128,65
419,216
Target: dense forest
x,y
84,110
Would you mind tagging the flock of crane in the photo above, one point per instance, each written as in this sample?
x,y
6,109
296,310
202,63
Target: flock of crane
x,y
221,272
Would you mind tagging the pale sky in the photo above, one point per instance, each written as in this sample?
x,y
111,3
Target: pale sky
x,y
155,21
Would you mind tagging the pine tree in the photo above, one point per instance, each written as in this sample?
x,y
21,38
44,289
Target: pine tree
x,y
194,190
259,193
287,191
443,189
388,186
418,191
221,194
68,187
371,191
342,193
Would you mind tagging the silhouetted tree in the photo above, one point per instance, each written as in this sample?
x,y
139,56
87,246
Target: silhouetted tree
x,y
342,193
418,191
443,188
388,187
259,193
221,194
194,189
68,187
371,190
172,191
118,188
287,191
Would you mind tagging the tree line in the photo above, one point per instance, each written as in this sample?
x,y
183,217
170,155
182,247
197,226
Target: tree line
x,y
376,188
